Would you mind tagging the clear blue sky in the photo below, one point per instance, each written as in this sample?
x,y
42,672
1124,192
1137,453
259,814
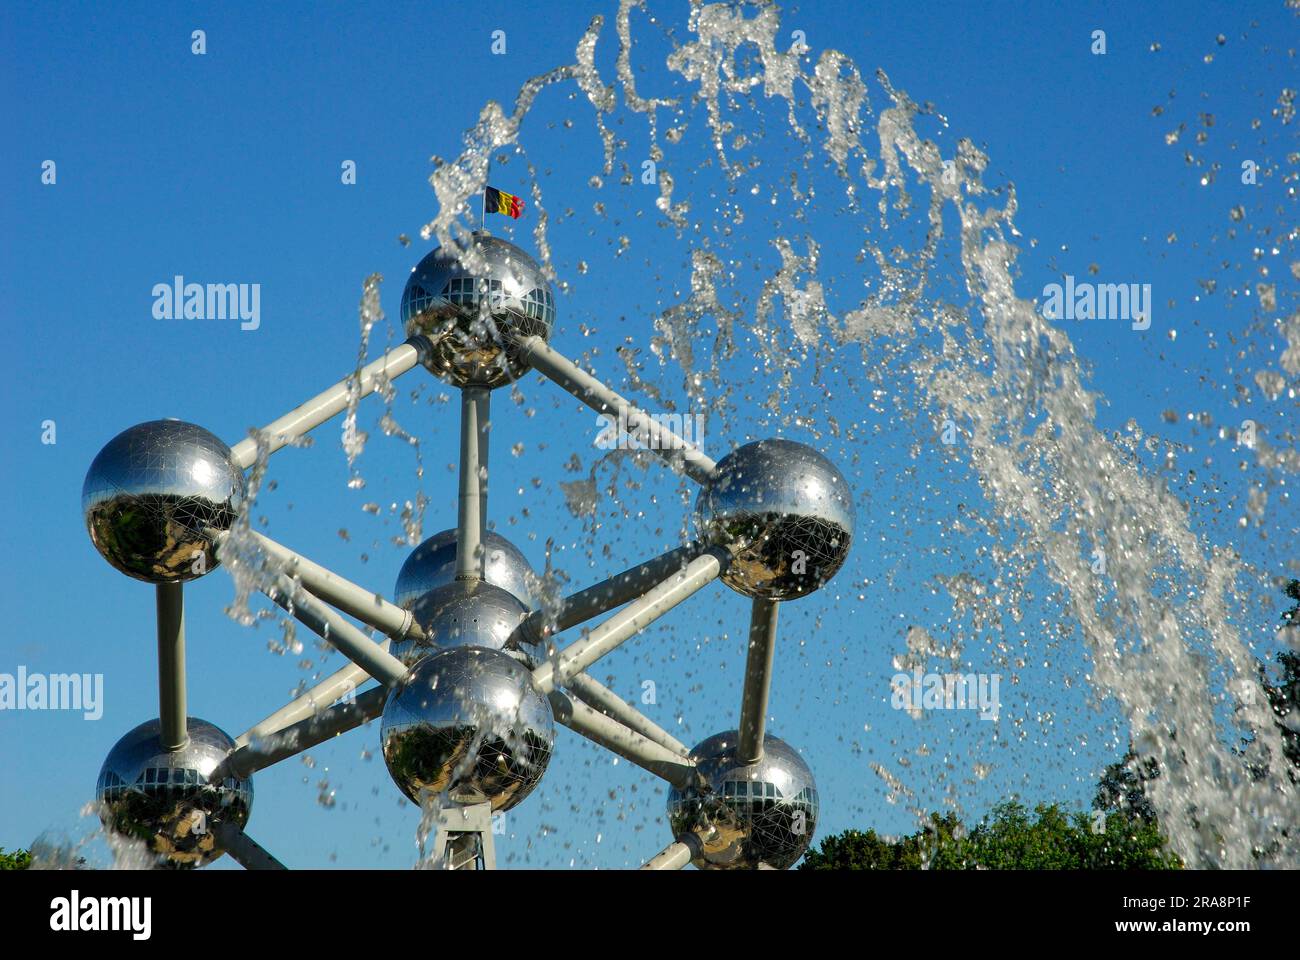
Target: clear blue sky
x,y
226,168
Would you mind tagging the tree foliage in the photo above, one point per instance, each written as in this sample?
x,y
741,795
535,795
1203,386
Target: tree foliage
x,y
1011,837
1284,694
17,860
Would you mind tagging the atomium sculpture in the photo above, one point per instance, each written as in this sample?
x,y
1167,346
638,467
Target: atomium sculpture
x,y
470,678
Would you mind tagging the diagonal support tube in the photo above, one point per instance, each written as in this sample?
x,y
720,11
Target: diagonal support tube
x,y
170,603
354,600
332,401
246,760
339,633
758,680
245,851
629,621
342,682
675,856
597,695
628,744
604,596
679,454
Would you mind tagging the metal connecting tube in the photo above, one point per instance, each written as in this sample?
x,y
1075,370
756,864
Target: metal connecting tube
x,y
331,401
246,760
676,855
628,744
604,596
354,600
597,695
679,454
471,513
633,618
342,635
170,602
758,679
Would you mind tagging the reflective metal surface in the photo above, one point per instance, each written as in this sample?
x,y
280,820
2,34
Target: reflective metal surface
x,y
470,722
150,494
433,564
468,317
463,613
165,799
747,817
786,510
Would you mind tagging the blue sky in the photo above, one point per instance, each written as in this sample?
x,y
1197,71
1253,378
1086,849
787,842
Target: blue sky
x,y
226,168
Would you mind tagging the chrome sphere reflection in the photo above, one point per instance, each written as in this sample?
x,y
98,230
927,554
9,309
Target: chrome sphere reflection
x,y
433,564
468,722
785,511
747,816
464,613
164,798
151,494
470,316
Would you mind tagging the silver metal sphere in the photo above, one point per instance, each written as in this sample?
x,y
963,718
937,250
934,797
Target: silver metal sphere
x,y
151,494
747,816
164,798
785,511
433,564
469,317
468,722
464,613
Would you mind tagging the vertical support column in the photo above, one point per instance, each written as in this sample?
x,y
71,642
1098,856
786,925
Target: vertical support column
x,y
758,676
472,506
463,838
484,423
463,852
170,598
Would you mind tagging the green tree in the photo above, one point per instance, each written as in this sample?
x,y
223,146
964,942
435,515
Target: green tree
x,y
1123,788
1009,838
1055,839
1291,617
1284,695
855,850
18,860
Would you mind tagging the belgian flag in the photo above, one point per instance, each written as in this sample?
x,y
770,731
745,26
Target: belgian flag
x,y
498,201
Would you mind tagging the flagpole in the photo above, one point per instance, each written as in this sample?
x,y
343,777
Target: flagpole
x,y
482,217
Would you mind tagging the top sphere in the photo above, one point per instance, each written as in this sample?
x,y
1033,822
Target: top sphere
x,y
469,317
433,564
151,494
787,514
